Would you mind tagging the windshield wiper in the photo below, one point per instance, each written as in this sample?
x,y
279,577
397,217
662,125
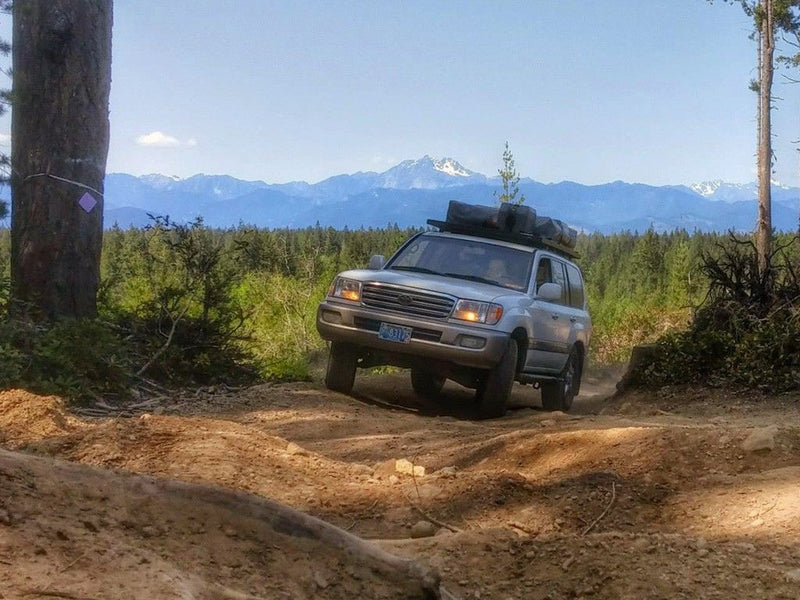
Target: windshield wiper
x,y
473,278
416,270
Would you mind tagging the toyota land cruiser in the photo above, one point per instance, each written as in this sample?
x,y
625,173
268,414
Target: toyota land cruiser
x,y
484,301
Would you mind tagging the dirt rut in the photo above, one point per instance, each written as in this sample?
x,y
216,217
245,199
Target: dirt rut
x,y
657,496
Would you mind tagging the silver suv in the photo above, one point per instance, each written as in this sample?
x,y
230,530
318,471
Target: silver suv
x,y
477,305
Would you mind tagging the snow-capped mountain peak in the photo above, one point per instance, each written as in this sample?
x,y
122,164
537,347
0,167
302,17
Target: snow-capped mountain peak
x,y
707,188
743,192
428,173
777,184
451,167
159,181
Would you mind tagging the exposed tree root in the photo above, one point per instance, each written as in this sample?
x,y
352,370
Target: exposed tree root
x,y
412,575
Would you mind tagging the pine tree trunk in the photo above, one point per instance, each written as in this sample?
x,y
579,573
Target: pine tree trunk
x,y
764,224
60,130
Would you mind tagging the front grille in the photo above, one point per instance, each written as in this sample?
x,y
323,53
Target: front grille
x,y
406,301
417,333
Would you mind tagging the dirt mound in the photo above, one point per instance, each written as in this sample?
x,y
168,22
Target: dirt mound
x,y
611,566
26,417
691,403
220,452
75,532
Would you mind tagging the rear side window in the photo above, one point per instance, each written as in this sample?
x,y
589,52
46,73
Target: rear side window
x,y
576,297
560,279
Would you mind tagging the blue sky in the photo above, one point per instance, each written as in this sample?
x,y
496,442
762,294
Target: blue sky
x,y
652,91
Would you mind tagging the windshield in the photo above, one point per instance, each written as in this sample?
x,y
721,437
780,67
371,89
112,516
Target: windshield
x,y
468,259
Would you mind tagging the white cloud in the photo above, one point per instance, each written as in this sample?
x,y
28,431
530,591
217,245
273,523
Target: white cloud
x,y
5,140
191,143
157,139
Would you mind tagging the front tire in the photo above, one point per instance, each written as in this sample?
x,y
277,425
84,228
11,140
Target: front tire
x,y
558,395
341,372
493,394
426,384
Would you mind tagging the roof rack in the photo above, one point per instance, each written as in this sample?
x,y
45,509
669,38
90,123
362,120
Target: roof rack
x,y
526,239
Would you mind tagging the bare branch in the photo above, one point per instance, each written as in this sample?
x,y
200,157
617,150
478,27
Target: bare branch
x,y
163,348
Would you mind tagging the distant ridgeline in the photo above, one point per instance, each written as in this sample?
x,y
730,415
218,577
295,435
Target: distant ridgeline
x,y
352,201
414,191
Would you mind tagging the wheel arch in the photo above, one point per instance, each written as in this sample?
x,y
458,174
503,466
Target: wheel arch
x,y
579,346
520,336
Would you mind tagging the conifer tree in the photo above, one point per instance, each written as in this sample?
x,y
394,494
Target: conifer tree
x,y
5,101
510,179
771,18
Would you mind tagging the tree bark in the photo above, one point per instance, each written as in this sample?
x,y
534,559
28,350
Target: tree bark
x,y
60,134
764,223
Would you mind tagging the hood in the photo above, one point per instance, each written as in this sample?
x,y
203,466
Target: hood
x,y
458,288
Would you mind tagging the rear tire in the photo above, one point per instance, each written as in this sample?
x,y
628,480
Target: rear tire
x,y
558,395
426,384
341,372
494,392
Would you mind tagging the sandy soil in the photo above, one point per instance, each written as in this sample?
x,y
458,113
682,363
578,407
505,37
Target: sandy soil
x,y
681,494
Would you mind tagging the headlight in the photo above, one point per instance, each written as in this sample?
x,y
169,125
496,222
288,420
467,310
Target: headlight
x,y
477,312
349,289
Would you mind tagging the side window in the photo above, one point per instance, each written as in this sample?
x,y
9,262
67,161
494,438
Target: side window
x,y
575,286
552,271
543,272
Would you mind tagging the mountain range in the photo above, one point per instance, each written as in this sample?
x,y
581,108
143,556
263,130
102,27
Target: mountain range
x,y
416,190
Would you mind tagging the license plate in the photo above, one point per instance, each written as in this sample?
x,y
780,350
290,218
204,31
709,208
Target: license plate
x,y
394,333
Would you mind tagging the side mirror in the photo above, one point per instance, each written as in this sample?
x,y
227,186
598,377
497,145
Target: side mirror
x,y
549,292
376,262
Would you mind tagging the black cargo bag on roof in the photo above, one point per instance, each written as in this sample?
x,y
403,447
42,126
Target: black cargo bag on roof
x,y
460,213
516,218
556,231
511,218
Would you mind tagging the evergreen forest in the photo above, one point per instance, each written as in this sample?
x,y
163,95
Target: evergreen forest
x,y
183,304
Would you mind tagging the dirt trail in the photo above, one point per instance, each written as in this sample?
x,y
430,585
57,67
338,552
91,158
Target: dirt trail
x,y
663,496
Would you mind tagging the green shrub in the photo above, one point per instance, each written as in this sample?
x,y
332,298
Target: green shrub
x,y
281,330
768,355
197,352
687,357
747,333
78,359
12,365
616,332
171,288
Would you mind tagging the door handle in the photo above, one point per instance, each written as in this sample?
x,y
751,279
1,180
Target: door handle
x,y
573,319
554,316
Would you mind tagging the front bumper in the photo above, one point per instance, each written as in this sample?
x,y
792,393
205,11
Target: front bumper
x,y
434,340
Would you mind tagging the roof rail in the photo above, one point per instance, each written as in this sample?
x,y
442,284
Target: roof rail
x,y
526,239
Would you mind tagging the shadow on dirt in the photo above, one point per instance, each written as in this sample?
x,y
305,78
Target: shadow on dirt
x,y
395,392
454,401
